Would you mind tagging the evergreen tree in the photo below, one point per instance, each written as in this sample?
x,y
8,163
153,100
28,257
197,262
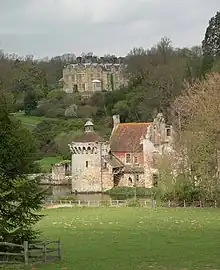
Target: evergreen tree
x,y
211,42
20,197
30,102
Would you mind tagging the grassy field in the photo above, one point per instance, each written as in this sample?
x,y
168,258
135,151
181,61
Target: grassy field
x,y
29,121
47,162
134,238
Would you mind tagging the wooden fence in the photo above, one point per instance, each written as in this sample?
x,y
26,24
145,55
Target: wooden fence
x,y
132,202
34,252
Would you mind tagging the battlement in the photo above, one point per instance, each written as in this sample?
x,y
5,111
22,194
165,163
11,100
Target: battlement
x,y
89,148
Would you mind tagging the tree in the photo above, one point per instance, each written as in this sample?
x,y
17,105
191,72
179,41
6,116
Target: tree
x,y
197,127
211,42
20,197
30,102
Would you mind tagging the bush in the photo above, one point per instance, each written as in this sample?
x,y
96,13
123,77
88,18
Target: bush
x,y
55,112
129,192
71,111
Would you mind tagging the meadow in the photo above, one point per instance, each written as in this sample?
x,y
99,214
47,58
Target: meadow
x,y
130,238
28,120
47,162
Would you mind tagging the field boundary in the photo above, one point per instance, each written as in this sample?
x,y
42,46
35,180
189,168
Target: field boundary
x,y
28,253
131,202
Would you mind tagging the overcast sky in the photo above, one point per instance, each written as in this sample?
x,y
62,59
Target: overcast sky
x,y
53,27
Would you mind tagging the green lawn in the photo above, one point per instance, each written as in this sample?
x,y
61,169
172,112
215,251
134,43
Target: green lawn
x,y
134,238
47,162
28,120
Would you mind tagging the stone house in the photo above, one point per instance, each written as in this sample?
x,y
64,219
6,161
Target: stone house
x,y
87,78
127,159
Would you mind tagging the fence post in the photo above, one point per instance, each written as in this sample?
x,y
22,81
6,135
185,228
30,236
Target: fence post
x,y
200,203
26,252
215,204
45,252
184,203
59,249
169,203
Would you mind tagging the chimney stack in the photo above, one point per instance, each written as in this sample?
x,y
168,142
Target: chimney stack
x,y
116,120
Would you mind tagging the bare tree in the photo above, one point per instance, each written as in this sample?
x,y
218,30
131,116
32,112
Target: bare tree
x,y
197,124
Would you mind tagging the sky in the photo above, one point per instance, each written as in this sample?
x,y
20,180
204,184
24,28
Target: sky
x,y
54,27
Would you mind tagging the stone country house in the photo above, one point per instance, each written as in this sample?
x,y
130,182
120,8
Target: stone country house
x,y
127,159
88,78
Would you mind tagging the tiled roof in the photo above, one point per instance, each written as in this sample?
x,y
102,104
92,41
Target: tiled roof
x,y
126,137
89,137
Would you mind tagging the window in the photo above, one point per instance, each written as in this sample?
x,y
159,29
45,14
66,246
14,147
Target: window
x,y
75,87
130,179
83,86
168,132
87,164
105,165
155,180
135,160
128,158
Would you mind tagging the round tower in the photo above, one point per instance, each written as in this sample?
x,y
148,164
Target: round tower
x,y
87,152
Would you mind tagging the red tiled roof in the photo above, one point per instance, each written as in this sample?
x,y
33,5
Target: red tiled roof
x,y
90,136
126,137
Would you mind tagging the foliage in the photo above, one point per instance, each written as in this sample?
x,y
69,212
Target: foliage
x,y
129,192
62,141
211,42
20,197
30,102
48,135
71,111
197,124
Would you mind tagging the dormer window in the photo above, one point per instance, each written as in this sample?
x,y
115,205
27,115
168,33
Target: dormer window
x,y
127,158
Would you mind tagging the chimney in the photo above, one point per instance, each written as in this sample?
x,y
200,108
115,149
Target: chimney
x,y
116,120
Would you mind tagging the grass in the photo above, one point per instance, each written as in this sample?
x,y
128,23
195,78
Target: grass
x,y
47,162
134,238
28,120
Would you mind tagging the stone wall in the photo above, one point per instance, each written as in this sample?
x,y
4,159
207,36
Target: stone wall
x,y
46,179
82,75
107,179
86,166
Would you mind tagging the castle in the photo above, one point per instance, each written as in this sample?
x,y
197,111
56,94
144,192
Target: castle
x,y
127,159
87,78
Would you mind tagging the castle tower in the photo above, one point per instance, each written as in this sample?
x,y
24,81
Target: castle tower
x,y
87,152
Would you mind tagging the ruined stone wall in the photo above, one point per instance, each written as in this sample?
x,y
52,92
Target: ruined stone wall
x,y
132,179
107,179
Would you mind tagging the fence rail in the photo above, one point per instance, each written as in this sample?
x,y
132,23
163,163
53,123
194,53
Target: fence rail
x,y
33,252
131,202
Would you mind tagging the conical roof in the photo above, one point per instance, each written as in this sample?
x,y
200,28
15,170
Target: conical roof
x,y
89,135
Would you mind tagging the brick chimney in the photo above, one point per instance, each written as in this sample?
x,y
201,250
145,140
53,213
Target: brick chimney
x,y
116,120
